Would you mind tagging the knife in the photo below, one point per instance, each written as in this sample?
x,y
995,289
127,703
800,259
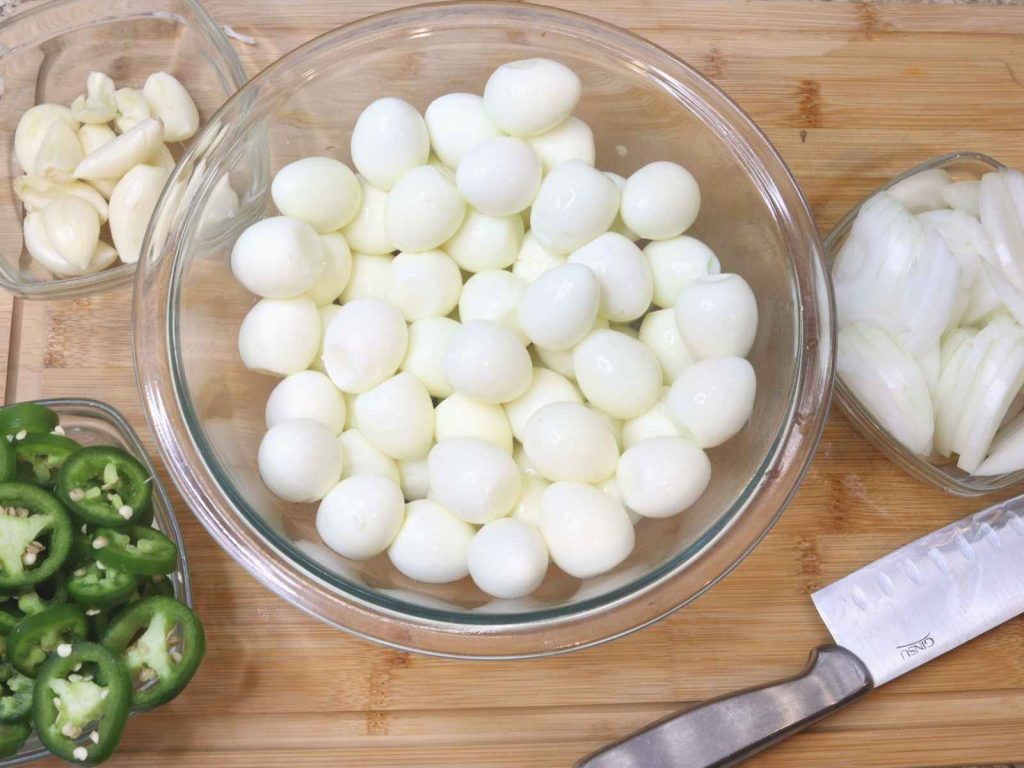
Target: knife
x,y
886,619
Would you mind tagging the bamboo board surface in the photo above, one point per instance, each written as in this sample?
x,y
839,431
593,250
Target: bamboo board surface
x,y
851,94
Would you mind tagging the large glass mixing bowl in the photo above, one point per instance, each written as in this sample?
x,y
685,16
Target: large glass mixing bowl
x,y
643,104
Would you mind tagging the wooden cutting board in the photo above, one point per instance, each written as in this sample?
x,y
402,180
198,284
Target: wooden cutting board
x,y
851,94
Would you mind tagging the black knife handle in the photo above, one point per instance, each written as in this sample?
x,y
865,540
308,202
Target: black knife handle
x,y
725,731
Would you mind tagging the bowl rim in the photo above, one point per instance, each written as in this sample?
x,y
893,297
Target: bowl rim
x,y
159,373
228,66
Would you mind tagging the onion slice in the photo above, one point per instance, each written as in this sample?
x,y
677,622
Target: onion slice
x,y
1001,220
922,191
1007,451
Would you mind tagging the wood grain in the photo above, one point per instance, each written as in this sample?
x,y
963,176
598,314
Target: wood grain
x,y
850,93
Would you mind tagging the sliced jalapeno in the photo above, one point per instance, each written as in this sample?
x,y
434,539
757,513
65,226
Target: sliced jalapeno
x,y
8,461
35,536
44,596
15,695
105,486
10,614
162,642
93,585
136,549
40,457
86,691
12,737
35,637
27,418
157,585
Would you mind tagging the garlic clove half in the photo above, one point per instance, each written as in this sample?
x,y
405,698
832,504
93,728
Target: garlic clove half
x,y
115,158
131,206
32,129
73,228
59,154
98,105
93,136
132,108
36,193
168,100
38,244
102,257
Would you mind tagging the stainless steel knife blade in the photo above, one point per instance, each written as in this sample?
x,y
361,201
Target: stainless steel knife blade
x,y
887,618
930,596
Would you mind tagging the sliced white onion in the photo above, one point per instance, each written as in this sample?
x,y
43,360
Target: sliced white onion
x,y
1007,451
922,191
1001,219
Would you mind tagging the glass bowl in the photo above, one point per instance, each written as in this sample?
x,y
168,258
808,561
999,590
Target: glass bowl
x,y
206,409
91,422
47,52
938,471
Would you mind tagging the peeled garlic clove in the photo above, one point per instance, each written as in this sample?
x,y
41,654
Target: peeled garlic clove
x,y
131,206
98,105
162,158
104,186
59,154
36,193
132,108
38,244
73,228
115,158
168,100
102,257
93,136
32,129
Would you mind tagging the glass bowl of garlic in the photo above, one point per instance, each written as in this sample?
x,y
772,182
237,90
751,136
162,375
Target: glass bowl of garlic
x,y
287,143
74,75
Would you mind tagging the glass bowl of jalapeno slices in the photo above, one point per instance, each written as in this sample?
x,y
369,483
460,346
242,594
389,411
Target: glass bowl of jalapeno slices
x,y
95,599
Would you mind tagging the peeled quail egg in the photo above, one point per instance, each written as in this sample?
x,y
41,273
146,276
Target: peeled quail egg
x,y
508,558
320,191
499,176
587,531
485,242
423,210
397,416
425,284
576,203
461,416
475,480
424,358
389,140
277,257
368,232
494,295
713,399
280,336
618,374
622,271
307,395
571,139
360,516
660,333
676,263
568,441
415,475
559,308
661,200
487,362
370,277
656,421
299,460
432,545
364,345
717,316
336,272
533,260
529,504
531,96
546,387
359,457
457,122
662,476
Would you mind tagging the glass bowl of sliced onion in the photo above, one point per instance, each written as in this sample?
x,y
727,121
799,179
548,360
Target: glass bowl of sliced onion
x,y
928,274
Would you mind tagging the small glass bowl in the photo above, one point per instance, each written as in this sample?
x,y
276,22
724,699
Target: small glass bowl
x,y
91,422
45,56
938,471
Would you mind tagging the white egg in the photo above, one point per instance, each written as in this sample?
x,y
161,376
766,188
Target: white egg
x,y
424,358
656,421
487,362
528,507
499,176
432,545
571,139
423,210
361,516
568,441
494,295
486,242
508,559
415,476
369,277
299,460
661,200
359,457
397,417
368,232
559,361
280,336
676,263
662,476
321,191
475,480
337,270
307,395
660,333
622,270
364,345
546,387
461,416
523,462
587,531
531,96
559,308
713,399
278,258
615,426
533,260
576,203
717,316
619,225
618,374
611,487
389,140
425,284
327,313
457,122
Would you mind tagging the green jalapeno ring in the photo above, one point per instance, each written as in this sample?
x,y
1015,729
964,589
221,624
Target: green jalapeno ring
x,y
43,596
28,515
12,736
94,585
27,418
85,690
8,461
39,457
35,637
15,695
137,549
162,642
105,486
